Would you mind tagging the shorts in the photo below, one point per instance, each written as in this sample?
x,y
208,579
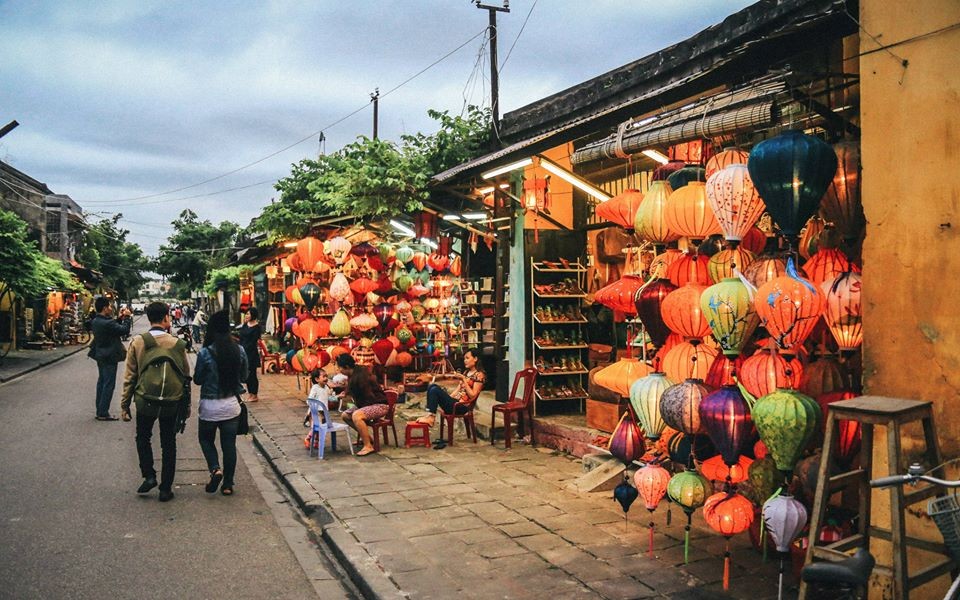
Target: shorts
x,y
370,413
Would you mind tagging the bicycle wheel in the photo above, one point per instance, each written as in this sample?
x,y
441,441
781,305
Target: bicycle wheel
x,y
83,337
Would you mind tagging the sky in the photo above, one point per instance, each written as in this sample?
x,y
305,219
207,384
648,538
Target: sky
x,y
127,105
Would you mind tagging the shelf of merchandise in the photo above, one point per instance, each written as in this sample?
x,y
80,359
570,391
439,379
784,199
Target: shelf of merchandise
x,y
473,298
569,281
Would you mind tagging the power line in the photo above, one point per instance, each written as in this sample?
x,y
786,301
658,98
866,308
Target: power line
x,y
102,203
519,33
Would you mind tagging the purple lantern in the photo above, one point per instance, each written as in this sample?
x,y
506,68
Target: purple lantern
x,y
725,416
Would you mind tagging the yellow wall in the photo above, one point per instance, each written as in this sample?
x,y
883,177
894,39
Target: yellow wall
x,y
911,196
561,192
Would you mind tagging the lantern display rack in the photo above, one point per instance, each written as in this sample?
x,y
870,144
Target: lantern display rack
x,y
556,326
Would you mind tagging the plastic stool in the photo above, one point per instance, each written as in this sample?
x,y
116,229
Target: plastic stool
x,y
423,439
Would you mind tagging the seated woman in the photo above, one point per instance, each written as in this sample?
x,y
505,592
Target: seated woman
x,y
369,400
463,398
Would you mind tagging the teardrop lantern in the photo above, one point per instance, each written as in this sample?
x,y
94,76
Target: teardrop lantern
x,y
339,287
340,324
841,205
725,416
626,444
734,201
730,314
789,307
649,221
310,292
689,490
651,481
786,421
339,249
784,517
310,250
621,375
843,312
725,263
645,396
648,303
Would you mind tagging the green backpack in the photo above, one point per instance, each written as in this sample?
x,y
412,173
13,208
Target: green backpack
x,y
161,378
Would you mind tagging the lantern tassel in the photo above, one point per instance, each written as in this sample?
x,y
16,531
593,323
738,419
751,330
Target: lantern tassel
x,y
669,516
780,581
686,541
726,567
650,549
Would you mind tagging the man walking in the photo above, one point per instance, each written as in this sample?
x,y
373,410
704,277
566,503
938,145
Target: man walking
x,y
157,378
107,350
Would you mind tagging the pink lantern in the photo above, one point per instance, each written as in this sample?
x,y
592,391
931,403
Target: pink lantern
x,y
843,312
734,201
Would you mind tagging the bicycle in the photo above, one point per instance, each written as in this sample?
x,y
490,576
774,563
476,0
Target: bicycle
x,y
849,576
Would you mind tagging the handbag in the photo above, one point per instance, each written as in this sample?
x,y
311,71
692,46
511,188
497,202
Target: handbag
x,y
243,424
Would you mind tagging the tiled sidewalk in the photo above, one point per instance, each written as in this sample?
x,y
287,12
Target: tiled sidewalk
x,y
477,521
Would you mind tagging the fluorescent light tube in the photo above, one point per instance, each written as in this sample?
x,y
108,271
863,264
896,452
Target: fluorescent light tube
x,y
475,216
507,168
429,242
574,180
660,157
451,217
402,228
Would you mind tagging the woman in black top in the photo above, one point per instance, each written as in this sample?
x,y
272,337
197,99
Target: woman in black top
x,y
250,333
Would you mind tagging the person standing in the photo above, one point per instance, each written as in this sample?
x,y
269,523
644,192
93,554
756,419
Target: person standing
x,y
107,350
220,373
157,378
199,322
250,333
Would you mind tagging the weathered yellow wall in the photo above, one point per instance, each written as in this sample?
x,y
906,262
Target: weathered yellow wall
x,y
911,195
561,192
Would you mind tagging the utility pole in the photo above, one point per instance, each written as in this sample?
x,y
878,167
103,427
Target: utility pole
x,y
8,127
494,73
375,98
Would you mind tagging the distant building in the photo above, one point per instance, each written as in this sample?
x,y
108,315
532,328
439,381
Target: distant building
x,y
154,289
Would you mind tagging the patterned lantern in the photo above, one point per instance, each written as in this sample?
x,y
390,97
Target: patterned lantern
x,y
649,222
767,370
689,490
789,307
715,469
687,360
339,249
843,312
791,172
648,303
822,376
310,250
682,312
728,514
689,268
722,160
310,293
723,370
730,315
784,518
734,201
723,264
680,405
841,204
625,442
621,375
810,238
726,418
651,482
621,209
340,324
764,478
688,212
826,265
339,287
620,294
645,399
786,421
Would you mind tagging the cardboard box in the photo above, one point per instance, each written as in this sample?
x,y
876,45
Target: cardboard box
x,y
605,415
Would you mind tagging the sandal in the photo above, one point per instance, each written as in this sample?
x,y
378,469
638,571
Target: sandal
x,y
366,452
216,476
227,491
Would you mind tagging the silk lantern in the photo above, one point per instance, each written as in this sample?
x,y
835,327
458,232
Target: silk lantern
x,y
620,294
689,490
419,261
765,267
363,322
660,264
384,314
786,421
784,518
292,294
339,287
310,250
734,201
728,513
404,359
685,449
729,313
841,205
649,221
340,324
826,265
310,293
789,307
685,176
294,262
722,160
680,405
648,303
404,254
848,432
764,478
810,237
682,311
621,375
621,209
625,494
688,212
625,441
363,285
822,376
727,262
725,416
689,268
382,349
715,469
767,370
651,481
843,312
645,399
791,172
308,331
339,249
723,370
688,360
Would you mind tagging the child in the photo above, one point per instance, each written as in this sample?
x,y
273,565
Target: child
x,y
318,391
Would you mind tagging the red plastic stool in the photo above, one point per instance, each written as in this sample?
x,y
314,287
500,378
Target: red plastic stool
x,y
419,440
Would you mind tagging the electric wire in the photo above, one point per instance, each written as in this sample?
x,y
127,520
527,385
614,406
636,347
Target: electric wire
x,y
519,33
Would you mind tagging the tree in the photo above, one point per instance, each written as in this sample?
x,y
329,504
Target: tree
x,y
105,248
195,248
23,267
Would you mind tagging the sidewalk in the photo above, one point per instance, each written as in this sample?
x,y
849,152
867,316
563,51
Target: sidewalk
x,y
21,362
478,521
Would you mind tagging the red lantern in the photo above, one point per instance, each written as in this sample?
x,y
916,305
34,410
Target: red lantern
x,y
767,370
760,450
425,226
621,209
689,268
382,349
754,240
722,371
438,261
728,513
419,260
682,312
294,262
688,361
648,303
620,294
715,469
309,250
789,307
848,432
826,265
363,285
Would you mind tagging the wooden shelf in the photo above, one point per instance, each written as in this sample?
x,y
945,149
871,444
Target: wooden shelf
x,y
572,347
550,398
561,322
555,373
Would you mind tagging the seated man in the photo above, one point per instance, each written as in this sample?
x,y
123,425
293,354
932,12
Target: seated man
x,y
368,397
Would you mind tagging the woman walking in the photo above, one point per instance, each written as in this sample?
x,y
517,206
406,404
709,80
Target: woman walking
x,y
250,334
220,372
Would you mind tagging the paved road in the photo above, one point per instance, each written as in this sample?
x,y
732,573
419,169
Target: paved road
x,y
72,526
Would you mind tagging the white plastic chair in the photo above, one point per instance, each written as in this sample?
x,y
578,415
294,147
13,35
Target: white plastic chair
x,y
320,430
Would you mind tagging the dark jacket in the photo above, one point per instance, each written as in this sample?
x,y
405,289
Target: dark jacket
x,y
205,375
106,345
249,336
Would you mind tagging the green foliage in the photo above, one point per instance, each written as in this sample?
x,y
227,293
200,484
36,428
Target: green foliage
x,y
195,248
228,277
105,248
372,178
23,267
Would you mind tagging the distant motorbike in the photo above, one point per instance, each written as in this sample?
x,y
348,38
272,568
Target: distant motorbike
x,y
185,333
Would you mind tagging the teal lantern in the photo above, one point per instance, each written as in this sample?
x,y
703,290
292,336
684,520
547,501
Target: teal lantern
x,y
689,490
792,172
730,313
645,399
310,292
786,421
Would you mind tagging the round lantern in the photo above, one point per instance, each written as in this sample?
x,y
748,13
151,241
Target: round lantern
x,y
649,221
680,405
689,490
310,250
292,294
338,249
309,331
339,287
789,307
722,160
843,312
765,267
764,478
651,482
404,254
685,176
645,399
682,312
822,376
826,265
340,324
723,264
621,209
689,268
729,313
648,303
767,370
688,212
791,172
621,375
734,201
715,469
625,442
725,416
841,205
660,265
620,294
404,359
786,421
723,370
687,360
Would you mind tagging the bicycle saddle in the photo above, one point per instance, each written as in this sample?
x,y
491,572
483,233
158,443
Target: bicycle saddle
x,y
853,571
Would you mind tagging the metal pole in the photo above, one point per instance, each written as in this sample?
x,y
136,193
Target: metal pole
x,y
494,73
375,98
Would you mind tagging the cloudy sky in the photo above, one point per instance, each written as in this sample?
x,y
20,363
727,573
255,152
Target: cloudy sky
x,y
126,105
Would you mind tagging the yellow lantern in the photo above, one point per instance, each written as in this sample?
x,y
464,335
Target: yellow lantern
x,y
621,375
729,311
688,212
649,221
721,265
340,324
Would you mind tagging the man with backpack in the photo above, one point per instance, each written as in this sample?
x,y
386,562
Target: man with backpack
x,y
158,380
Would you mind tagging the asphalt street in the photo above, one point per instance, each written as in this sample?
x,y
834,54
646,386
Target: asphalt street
x,y
72,525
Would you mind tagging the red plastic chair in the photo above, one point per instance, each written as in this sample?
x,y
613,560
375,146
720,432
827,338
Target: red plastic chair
x,y
268,358
516,406
468,421
385,422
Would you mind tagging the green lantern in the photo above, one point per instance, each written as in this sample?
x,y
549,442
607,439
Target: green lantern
x,y
786,421
764,479
404,254
689,490
645,399
403,282
729,311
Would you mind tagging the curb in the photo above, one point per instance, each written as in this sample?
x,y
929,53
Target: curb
x,y
42,364
360,566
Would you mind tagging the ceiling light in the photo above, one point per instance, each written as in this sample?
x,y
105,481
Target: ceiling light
x,y
451,217
574,180
290,245
507,168
402,228
429,242
656,155
475,216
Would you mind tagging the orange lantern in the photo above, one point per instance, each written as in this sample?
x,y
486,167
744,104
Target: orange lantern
x,y
810,236
728,514
682,312
843,312
294,262
765,267
822,376
649,221
826,265
721,265
619,376
715,469
841,205
688,361
721,160
292,294
767,370
689,268
419,260
620,294
309,331
621,209
789,307
310,250
363,285
689,214
660,264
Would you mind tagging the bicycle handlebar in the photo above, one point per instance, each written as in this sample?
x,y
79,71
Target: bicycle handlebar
x,y
902,479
